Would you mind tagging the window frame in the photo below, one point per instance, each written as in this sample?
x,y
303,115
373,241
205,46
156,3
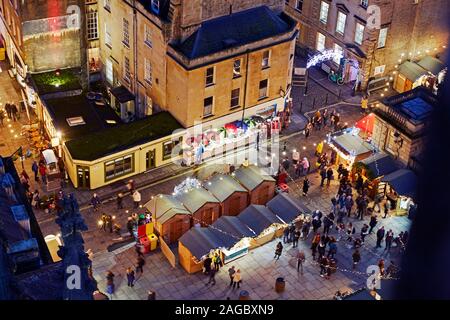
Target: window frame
x,y
299,3
265,61
148,40
235,98
339,23
92,25
120,162
266,93
126,32
384,39
205,106
108,37
319,36
209,78
237,74
356,39
107,5
335,46
126,69
321,11
148,71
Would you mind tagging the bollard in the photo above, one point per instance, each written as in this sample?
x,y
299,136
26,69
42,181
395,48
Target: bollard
x,y
280,284
151,295
244,295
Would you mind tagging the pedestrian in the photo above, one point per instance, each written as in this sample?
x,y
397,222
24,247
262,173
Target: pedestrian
x,y
364,232
207,265
130,277
217,261
257,141
300,260
376,202
109,223
356,258
286,234
332,248
305,229
314,244
2,116
43,173
349,204
130,226
231,272
329,176
305,186
130,186
25,180
237,278
321,248
327,223
373,222
350,232
15,112
291,233
298,169
136,198
212,277
380,236
381,267
110,282
308,130
35,169
139,248
120,200
340,230
316,223
35,199
278,251
140,264
387,207
388,240
325,116
323,266
296,237
305,164
95,202
104,220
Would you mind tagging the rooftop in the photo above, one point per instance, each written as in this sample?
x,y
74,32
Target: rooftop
x,y
51,82
223,186
122,137
196,198
234,30
162,11
164,207
93,116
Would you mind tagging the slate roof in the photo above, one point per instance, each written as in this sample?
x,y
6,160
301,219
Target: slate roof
x,y
234,30
222,186
251,177
348,142
233,226
411,70
381,164
200,241
286,207
432,64
167,207
403,181
258,218
195,199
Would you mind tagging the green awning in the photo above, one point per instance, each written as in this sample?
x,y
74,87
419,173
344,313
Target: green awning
x,y
411,70
432,64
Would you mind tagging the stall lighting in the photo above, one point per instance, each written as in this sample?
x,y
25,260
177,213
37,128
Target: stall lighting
x,y
304,148
385,89
220,178
160,195
382,94
295,150
100,223
12,131
127,211
391,78
113,217
15,136
9,125
284,153
209,183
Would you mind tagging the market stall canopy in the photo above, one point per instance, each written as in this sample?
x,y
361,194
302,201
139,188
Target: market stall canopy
x,y
286,207
222,186
366,124
164,207
403,181
49,156
196,198
233,226
258,218
200,241
251,177
350,143
431,64
411,70
380,164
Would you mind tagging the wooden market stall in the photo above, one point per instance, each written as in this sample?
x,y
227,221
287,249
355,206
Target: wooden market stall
x,y
232,196
194,246
400,187
374,168
287,208
260,185
171,219
263,222
203,206
236,233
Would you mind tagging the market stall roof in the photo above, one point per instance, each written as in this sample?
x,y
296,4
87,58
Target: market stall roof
x,y
49,156
258,218
164,207
223,186
360,295
404,182
234,226
381,164
251,177
350,143
411,70
431,64
200,241
286,207
196,198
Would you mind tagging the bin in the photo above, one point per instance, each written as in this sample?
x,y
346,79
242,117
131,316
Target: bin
x,y
280,284
153,241
149,229
244,295
145,242
151,295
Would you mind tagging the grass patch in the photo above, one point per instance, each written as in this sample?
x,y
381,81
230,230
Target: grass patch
x,y
50,82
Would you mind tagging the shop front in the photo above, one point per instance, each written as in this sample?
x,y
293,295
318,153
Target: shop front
x,y
400,188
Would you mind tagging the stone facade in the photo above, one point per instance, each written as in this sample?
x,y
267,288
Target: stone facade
x,y
414,28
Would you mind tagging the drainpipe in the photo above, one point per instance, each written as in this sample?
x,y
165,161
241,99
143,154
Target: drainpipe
x,y
245,83
135,53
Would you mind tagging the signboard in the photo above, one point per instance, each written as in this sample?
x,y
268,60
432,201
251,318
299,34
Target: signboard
x,y
268,112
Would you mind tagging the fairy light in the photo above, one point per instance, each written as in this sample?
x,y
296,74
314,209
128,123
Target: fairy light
x,y
304,148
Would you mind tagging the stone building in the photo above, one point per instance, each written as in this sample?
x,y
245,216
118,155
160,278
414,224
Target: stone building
x,y
408,29
401,125
167,55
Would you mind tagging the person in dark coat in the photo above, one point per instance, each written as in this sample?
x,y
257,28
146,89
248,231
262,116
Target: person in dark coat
x,y
35,169
296,237
305,186
120,200
110,283
212,277
373,222
286,235
356,258
14,112
380,236
207,265
95,202
140,264
323,176
329,176
130,277
278,251
8,110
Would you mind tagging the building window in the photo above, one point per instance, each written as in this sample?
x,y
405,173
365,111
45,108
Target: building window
x,y
235,98
263,89
382,37
237,68
148,71
118,167
148,105
109,71
209,77
168,147
365,3
299,5
320,45
126,69
324,7
207,106
340,25
148,36
265,63
107,5
338,49
92,25
155,6
359,33
126,32
108,39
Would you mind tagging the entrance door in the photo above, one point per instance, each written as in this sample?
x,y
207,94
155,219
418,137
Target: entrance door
x,y
150,159
207,216
263,196
83,177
